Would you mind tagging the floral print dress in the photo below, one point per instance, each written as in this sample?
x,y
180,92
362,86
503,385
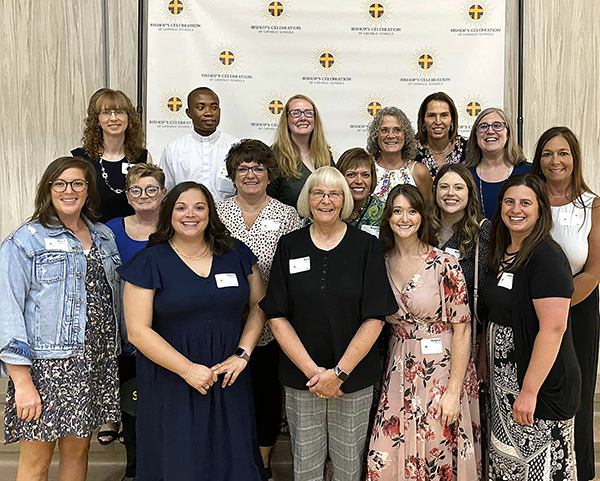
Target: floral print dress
x,y
408,441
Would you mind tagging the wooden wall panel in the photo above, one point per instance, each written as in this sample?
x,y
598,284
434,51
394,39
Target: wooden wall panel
x,y
123,31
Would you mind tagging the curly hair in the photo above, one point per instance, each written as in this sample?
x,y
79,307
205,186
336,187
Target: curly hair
x,y
93,136
216,235
287,152
44,212
467,228
512,152
409,150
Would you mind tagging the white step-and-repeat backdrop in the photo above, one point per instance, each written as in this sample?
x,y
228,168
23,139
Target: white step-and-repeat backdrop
x,y
352,57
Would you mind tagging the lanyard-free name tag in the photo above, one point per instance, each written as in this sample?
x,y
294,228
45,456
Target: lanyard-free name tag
x,y
226,280
125,166
302,264
270,225
222,171
453,252
432,346
371,229
574,219
56,244
506,280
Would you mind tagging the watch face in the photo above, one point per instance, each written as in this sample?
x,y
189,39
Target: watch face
x,y
239,352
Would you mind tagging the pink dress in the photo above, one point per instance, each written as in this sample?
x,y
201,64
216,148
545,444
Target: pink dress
x,y
408,441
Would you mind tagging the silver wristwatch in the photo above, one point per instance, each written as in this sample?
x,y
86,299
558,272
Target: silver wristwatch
x,y
342,376
241,352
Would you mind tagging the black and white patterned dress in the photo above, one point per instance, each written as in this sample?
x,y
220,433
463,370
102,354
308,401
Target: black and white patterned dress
x,y
78,393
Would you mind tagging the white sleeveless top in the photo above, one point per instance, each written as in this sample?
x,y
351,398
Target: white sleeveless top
x,y
388,179
572,225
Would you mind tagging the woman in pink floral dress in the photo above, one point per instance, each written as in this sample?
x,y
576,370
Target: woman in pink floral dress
x,y
427,422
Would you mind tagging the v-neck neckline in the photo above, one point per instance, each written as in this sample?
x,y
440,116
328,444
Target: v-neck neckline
x,y
418,271
212,262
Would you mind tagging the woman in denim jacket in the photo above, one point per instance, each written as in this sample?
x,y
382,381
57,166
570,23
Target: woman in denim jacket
x,y
60,308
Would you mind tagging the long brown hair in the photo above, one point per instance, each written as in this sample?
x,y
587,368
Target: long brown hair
x,y
439,97
578,184
500,235
93,137
216,235
415,198
512,152
467,228
288,154
44,212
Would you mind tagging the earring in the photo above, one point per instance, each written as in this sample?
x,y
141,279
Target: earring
x,y
423,128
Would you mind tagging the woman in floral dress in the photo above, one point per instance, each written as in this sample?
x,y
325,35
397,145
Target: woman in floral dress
x,y
427,422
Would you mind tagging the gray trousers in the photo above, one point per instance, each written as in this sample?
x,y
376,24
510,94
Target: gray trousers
x,y
321,425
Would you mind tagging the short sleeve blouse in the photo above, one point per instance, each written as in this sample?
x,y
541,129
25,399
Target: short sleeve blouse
x,y
326,296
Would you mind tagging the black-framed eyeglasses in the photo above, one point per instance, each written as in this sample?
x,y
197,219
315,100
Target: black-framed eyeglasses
x,y
333,196
77,185
257,169
308,113
484,126
151,191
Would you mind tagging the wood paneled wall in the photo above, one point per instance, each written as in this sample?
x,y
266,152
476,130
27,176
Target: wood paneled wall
x,y
52,61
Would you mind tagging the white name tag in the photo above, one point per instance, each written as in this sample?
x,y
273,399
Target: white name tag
x,y
432,346
125,166
222,171
506,280
371,229
453,252
575,219
56,244
301,264
226,280
270,225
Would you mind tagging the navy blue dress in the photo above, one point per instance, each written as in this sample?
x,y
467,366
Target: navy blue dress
x,y
181,434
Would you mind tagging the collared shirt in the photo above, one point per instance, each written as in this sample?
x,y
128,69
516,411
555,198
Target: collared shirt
x,y
201,159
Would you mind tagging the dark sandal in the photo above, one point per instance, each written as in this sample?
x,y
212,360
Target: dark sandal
x,y
121,438
269,473
112,435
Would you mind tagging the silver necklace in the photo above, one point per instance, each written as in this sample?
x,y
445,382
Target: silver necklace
x,y
481,187
105,177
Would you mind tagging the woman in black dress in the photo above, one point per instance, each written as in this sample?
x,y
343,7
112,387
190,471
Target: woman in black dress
x,y
113,140
535,379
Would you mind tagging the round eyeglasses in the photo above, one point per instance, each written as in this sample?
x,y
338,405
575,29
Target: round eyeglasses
x,y
77,185
151,191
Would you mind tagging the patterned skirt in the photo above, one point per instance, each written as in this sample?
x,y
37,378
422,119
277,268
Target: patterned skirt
x,y
542,452
78,393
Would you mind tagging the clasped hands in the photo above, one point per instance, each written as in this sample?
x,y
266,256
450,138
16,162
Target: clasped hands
x,y
202,378
325,384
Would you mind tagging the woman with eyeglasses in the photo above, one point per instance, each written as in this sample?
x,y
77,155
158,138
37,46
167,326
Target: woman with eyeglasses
x,y
493,156
145,192
299,147
113,140
576,228
259,221
438,142
327,298
391,142
59,329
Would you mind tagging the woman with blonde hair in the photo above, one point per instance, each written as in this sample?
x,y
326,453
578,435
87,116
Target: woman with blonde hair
x,y
113,140
493,156
300,148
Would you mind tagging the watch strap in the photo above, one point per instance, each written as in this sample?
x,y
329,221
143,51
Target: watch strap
x,y
241,352
342,376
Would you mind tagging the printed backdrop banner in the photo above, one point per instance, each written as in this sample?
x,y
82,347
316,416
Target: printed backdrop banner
x,y
352,57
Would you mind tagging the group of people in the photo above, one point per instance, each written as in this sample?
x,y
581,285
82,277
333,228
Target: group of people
x,y
236,282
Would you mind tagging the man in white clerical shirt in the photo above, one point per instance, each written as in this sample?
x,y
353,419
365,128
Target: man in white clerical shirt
x,y
200,155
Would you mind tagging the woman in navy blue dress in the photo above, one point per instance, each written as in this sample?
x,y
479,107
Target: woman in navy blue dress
x,y
184,298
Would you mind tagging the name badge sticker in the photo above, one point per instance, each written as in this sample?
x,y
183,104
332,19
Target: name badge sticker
x,y
432,346
270,225
302,264
56,244
226,280
506,280
371,229
571,219
453,252
125,166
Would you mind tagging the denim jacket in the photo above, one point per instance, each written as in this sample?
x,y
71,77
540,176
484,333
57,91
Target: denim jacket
x,y
42,292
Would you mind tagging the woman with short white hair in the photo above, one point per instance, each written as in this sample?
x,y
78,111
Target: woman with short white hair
x,y
327,299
